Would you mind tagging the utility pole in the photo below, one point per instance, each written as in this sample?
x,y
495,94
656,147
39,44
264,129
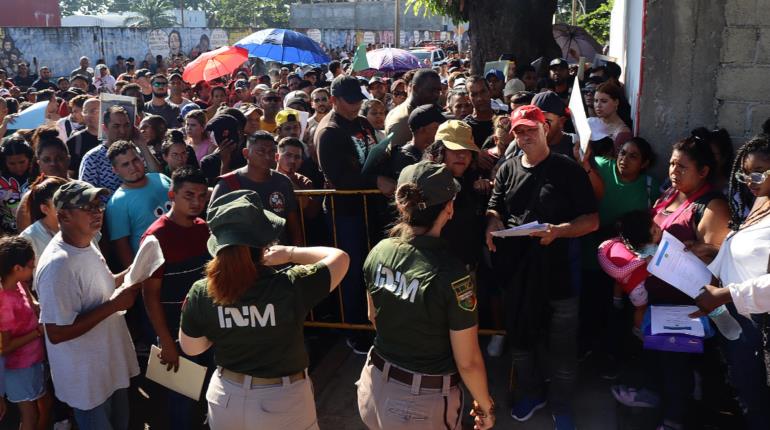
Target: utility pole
x,y
574,12
181,10
397,26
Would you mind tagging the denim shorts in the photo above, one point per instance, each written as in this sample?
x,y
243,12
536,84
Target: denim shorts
x,y
25,384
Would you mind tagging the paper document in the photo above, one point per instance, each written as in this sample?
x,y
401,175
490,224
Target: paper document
x,y
678,267
188,380
149,257
579,118
521,230
674,319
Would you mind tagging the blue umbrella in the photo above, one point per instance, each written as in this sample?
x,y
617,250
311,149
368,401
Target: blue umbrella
x,y
285,46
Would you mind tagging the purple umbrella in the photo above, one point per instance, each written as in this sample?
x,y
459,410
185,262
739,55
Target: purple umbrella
x,y
392,60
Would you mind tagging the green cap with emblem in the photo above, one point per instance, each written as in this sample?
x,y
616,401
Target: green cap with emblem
x,y
238,218
75,193
435,181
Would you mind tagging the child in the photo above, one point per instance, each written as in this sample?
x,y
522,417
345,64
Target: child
x,y
22,344
15,165
625,258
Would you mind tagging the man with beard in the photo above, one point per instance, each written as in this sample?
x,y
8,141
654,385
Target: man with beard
x,y
424,89
136,204
271,104
559,80
159,105
44,81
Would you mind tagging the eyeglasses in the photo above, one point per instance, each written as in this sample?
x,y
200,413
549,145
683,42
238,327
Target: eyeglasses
x,y
96,207
756,178
159,84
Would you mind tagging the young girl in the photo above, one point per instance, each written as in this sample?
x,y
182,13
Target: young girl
x,y
197,137
22,340
15,165
625,258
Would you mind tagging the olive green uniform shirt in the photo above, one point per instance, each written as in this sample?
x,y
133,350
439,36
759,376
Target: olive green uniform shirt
x,y
420,292
261,334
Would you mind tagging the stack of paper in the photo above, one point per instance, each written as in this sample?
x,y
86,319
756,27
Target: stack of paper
x,y
521,230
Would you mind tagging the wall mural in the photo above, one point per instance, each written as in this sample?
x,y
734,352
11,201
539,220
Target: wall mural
x,y
60,48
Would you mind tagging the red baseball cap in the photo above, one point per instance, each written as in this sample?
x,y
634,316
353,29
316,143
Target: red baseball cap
x,y
529,115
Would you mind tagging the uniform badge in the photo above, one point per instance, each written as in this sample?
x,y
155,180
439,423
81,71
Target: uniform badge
x,y
466,297
304,270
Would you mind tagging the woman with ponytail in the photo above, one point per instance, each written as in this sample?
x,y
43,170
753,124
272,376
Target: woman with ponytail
x,y
253,316
42,213
422,302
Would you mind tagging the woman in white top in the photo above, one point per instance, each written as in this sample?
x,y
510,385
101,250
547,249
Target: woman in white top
x,y
43,213
741,266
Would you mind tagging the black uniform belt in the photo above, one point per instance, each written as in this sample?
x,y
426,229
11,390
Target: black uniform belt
x,y
403,376
238,378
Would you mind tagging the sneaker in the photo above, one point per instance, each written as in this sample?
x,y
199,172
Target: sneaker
x,y
635,398
495,345
563,422
526,407
359,344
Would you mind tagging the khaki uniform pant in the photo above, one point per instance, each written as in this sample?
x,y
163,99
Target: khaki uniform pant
x,y
275,407
386,404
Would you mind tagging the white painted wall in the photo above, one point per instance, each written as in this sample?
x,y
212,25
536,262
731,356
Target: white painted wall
x,y
626,37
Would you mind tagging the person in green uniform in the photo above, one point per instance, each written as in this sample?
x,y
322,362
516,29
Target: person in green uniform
x,y
253,317
422,302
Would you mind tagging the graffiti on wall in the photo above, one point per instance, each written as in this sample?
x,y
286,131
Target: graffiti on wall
x,y
60,48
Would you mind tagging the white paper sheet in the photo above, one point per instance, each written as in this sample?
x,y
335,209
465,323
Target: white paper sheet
x,y
579,118
678,267
188,380
521,230
148,259
674,319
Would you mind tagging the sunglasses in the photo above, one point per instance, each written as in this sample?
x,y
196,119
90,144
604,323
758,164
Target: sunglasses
x,y
756,178
159,84
94,208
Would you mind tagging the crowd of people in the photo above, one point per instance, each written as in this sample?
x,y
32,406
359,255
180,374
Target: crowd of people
x,y
212,174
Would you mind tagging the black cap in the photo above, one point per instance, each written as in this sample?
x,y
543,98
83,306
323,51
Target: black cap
x,y
424,115
347,88
558,62
224,127
80,77
549,101
141,73
119,57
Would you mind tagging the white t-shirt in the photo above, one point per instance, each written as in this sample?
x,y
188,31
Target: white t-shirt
x,y
742,257
88,369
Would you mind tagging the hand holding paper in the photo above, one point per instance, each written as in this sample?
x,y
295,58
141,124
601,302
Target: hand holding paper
x,y
521,230
680,268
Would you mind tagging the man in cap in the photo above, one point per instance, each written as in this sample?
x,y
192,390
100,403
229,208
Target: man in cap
x,y
379,91
242,92
343,140
176,86
252,113
44,81
539,267
143,80
423,123
159,105
275,189
83,69
288,125
556,115
559,79
424,88
80,309
496,80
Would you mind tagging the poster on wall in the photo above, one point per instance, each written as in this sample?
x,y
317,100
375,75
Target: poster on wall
x,y
369,38
315,35
402,39
218,38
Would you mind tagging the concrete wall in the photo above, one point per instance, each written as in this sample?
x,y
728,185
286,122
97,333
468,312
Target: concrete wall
x,y
375,15
704,63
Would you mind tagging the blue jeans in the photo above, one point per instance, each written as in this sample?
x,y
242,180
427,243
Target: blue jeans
x,y
351,238
110,415
746,372
554,356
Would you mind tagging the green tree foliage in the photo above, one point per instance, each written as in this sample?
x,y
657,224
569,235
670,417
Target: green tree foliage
x,y
85,7
151,13
246,13
597,22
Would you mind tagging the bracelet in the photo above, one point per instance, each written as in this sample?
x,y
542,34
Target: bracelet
x,y
291,253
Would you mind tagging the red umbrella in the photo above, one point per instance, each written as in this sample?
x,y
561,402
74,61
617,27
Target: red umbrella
x,y
211,65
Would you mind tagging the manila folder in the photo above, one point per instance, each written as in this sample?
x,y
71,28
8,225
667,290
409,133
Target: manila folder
x,y
187,381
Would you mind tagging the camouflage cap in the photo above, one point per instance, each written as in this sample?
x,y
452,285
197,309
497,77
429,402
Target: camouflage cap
x,y
435,182
77,193
238,218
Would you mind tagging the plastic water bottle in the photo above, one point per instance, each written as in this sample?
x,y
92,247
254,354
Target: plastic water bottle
x,y
726,324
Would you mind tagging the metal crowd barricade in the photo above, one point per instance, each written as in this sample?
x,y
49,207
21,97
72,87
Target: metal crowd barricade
x,y
331,193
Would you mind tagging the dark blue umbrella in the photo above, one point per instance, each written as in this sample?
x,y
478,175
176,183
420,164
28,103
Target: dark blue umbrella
x,y
285,46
